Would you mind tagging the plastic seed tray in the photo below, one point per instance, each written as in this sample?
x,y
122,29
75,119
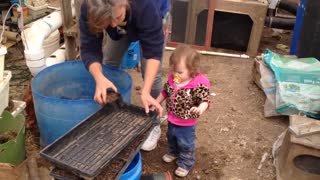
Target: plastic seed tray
x,y
115,168
87,148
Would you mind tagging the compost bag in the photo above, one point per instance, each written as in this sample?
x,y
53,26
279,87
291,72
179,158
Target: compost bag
x,y
298,84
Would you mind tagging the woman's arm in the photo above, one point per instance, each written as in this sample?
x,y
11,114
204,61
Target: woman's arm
x,y
149,27
152,66
91,55
90,43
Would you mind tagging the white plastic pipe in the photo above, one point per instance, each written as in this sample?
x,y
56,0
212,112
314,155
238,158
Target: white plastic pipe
x,y
34,37
58,56
216,53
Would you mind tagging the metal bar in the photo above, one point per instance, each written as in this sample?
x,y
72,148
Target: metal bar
x,y
244,56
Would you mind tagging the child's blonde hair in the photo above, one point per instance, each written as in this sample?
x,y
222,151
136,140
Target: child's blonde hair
x,y
190,56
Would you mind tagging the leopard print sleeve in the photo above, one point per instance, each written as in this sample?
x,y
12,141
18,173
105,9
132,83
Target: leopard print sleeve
x,y
201,94
164,91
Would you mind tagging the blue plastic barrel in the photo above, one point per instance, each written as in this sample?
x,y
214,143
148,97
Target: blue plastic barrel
x,y
63,96
306,36
297,27
134,170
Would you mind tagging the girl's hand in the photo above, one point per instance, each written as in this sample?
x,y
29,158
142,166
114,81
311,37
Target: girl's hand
x,y
200,109
102,85
197,110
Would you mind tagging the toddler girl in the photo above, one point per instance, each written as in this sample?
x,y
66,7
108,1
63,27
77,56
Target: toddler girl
x,y
187,96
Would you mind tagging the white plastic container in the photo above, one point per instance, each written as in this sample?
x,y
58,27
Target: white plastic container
x,y
4,91
38,6
18,107
3,52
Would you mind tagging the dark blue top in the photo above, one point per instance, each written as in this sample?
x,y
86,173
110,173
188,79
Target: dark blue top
x,y
144,23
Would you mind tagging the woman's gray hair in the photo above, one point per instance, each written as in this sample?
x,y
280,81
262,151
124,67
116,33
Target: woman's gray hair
x,y
100,13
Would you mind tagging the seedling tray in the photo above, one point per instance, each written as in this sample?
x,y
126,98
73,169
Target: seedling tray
x,y
87,148
115,168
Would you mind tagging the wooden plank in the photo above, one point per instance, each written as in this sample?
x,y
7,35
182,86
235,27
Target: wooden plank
x,y
189,17
196,8
67,19
72,32
77,5
212,5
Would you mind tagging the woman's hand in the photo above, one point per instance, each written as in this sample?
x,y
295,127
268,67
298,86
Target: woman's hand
x,y
102,84
148,100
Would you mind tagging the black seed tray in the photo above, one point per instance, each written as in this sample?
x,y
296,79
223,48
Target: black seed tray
x,y
87,148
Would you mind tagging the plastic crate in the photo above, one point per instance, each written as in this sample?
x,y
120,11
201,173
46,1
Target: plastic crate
x,y
4,90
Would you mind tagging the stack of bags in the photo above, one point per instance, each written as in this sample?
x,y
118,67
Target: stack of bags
x,y
292,85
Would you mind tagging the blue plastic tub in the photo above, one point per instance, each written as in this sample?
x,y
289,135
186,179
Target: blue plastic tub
x,y
131,57
134,170
63,96
17,2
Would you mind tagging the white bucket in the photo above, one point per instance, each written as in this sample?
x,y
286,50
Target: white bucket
x,y
4,91
3,52
35,61
51,43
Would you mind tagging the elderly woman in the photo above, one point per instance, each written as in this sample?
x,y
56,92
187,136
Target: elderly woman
x,y
106,29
